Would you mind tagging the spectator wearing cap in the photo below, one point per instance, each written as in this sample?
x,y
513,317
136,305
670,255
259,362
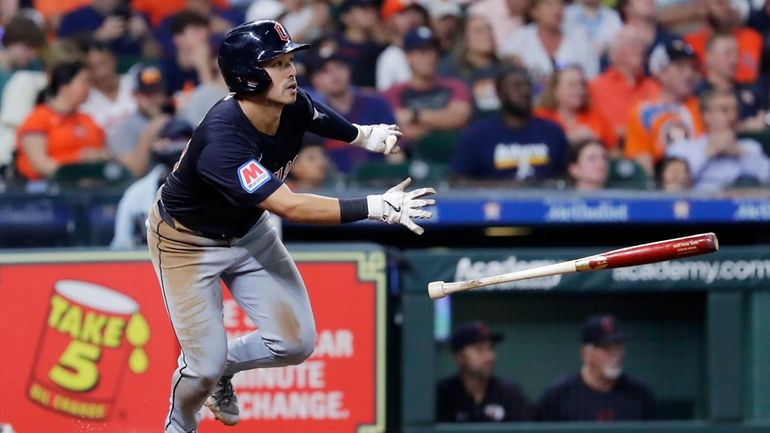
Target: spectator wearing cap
x,y
674,114
601,391
330,77
400,17
505,16
474,60
514,145
138,198
475,394
624,83
127,34
722,58
361,40
445,21
724,18
597,21
22,40
56,133
544,45
130,139
428,103
111,97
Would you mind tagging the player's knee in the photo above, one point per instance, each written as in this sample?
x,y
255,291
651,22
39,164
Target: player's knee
x,y
296,352
208,375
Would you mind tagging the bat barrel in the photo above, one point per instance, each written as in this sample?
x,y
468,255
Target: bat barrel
x,y
671,249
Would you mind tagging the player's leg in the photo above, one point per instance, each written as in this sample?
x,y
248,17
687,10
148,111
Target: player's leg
x,y
188,271
268,287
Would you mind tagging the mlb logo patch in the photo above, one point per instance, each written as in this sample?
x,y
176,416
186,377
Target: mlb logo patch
x,y
252,175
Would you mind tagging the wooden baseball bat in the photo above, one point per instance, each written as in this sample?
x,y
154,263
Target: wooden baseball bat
x,y
670,249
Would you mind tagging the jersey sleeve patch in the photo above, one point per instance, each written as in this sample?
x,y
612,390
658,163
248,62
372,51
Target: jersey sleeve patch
x,y
252,175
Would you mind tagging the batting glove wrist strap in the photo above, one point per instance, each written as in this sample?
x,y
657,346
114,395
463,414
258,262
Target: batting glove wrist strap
x,y
397,206
377,138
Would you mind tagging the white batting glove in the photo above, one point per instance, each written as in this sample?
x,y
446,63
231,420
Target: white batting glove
x,y
397,206
378,138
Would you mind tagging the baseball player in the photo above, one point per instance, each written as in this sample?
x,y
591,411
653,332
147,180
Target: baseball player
x,y
211,221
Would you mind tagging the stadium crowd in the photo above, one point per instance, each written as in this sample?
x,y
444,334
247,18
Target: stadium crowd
x,y
649,94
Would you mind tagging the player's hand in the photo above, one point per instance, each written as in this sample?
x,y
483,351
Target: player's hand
x,y
378,138
397,206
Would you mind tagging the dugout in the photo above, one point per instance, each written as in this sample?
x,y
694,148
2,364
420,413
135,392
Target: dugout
x,y
698,333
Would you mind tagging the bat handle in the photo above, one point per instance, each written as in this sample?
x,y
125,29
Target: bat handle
x,y
436,290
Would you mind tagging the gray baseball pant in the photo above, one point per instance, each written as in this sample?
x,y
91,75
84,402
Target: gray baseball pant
x,y
263,280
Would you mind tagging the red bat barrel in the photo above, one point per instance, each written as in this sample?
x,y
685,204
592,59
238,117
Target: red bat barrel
x,y
650,253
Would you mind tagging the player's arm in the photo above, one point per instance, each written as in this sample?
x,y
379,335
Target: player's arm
x,y
374,138
395,206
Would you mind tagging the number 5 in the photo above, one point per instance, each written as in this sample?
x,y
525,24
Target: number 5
x,y
77,369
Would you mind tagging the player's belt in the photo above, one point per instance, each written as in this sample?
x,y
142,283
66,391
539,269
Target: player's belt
x,y
168,219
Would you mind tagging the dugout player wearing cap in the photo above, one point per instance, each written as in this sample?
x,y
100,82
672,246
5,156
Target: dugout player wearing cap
x,y
210,222
601,391
474,394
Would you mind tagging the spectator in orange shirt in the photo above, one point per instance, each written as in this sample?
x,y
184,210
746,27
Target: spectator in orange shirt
x,y
56,133
624,83
565,101
723,18
673,115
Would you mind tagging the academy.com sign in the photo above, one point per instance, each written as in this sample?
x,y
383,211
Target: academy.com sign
x,y
707,272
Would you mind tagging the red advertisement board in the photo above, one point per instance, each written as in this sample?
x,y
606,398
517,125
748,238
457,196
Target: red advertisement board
x,y
88,348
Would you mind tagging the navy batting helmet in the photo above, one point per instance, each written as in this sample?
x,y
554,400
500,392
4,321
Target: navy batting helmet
x,y
246,47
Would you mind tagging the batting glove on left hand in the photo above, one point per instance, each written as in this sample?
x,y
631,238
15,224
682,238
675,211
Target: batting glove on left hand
x,y
378,138
397,206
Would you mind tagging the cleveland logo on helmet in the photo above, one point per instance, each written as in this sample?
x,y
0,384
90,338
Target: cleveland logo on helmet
x,y
246,48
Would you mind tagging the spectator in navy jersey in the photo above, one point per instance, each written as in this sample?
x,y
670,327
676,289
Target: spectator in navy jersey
x,y
513,145
601,391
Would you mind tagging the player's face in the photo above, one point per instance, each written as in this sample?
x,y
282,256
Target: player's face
x,y
477,359
606,360
283,74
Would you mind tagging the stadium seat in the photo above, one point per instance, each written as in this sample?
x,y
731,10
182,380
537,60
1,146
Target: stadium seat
x,y
436,146
628,174
92,174
378,174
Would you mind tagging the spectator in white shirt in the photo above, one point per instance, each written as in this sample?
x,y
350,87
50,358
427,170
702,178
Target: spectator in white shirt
x,y
719,159
599,22
400,17
543,44
111,98
505,16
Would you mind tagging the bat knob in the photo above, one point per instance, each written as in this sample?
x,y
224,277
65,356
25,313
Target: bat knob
x,y
436,290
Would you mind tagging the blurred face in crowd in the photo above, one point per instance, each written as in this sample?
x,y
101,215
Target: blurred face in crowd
x,y
722,56
191,38
591,169
202,7
678,78
445,27
22,55
333,79
518,7
515,94
642,9
628,50
151,103
76,91
105,5
593,4
604,361
571,90
675,176
102,65
362,17
477,359
548,13
311,166
721,113
423,62
722,13
478,35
